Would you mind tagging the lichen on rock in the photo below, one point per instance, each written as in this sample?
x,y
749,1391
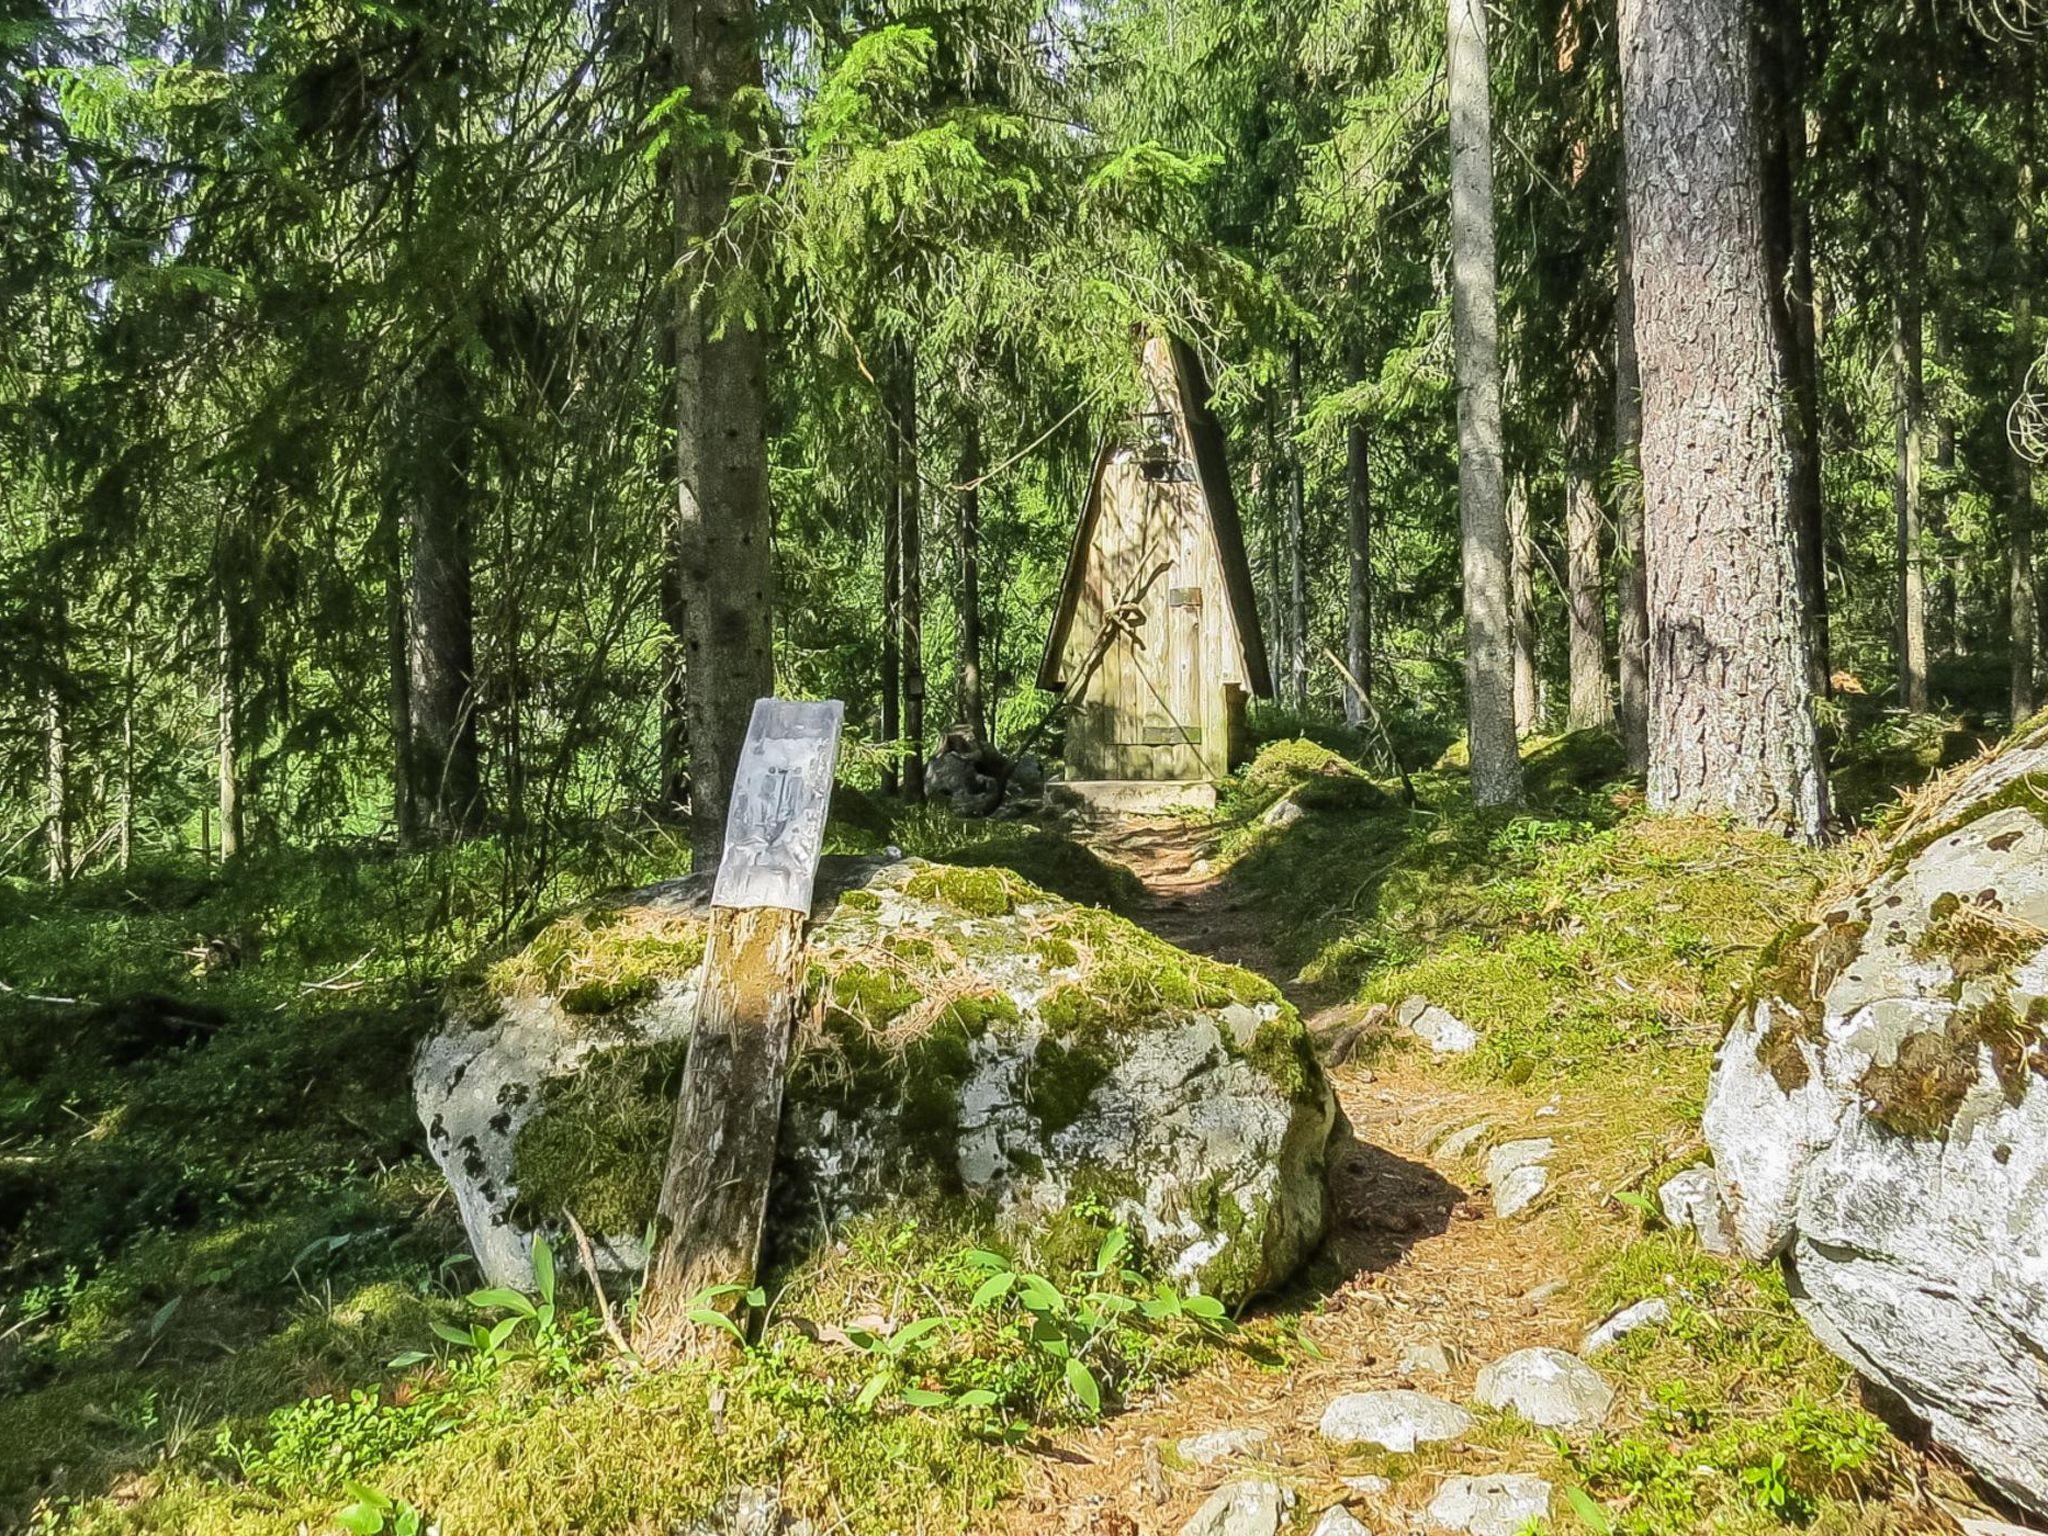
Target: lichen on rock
x,y
971,1038
1879,1117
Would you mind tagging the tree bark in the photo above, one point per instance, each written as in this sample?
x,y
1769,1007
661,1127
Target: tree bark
x,y
1731,720
1788,233
714,1196
910,533
398,674
442,685
892,619
1522,610
2022,595
724,528
1475,326
56,787
1358,587
967,551
1909,405
1590,705
125,849
1632,597
227,719
1297,590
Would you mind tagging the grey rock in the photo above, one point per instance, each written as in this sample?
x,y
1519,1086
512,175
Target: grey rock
x,y
1548,1387
1652,1312
1221,1445
1396,1420
1251,1507
1503,1505
1973,1526
1027,774
1517,1173
1284,812
1425,1360
1368,1483
1914,1225
1339,1521
1691,1202
1184,1118
1460,1143
1437,1027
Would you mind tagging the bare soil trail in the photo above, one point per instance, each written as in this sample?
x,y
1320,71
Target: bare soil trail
x,y
1415,1264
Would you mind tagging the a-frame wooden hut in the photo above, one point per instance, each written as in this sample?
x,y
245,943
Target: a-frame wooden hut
x,y
1155,639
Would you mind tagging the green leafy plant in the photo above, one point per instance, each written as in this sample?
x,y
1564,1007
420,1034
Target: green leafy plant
x,y
489,1342
369,1513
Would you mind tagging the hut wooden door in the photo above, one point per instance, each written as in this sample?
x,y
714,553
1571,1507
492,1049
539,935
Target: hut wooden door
x,y
1158,659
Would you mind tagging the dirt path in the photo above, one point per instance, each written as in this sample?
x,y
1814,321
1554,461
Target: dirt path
x,y
1416,1263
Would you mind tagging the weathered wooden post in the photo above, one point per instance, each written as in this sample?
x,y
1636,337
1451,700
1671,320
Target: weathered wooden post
x,y
714,1189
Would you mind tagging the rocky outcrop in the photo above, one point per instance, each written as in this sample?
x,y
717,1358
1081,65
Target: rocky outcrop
x,y
973,1038
1879,1118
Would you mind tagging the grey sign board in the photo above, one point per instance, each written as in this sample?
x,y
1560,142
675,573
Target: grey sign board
x,y
775,825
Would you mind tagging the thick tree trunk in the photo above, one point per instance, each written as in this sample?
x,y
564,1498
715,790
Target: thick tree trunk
x,y
1731,719
910,534
1909,406
227,720
724,529
2022,596
1632,596
442,690
1589,706
1475,325
714,1195
1788,232
1358,587
1522,608
967,551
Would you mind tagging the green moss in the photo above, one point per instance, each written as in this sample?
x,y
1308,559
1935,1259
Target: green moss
x,y
602,960
1282,1052
861,901
1056,952
1322,778
1794,974
597,1150
1934,1070
933,1068
1973,939
1063,1079
871,994
599,997
973,892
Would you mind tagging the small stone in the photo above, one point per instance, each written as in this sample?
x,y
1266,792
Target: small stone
x,y
1425,1360
1438,1028
1459,1143
1339,1521
1367,1483
1549,1290
1284,812
1648,1313
1691,1201
1397,1420
1517,1174
1220,1445
1253,1507
1242,1022
1973,1526
1504,1505
1548,1387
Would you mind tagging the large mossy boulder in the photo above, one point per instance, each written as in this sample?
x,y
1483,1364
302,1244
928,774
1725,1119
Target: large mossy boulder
x,y
1046,1069
1879,1117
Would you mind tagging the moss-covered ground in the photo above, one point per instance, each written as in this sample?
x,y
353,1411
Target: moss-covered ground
x,y
219,1229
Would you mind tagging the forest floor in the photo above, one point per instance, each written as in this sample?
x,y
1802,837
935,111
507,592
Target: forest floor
x,y
221,1241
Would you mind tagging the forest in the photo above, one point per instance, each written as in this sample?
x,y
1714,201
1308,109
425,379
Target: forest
x,y
426,430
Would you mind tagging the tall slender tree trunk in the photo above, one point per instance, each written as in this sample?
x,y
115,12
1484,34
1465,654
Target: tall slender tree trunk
x,y
1909,407
673,762
1788,233
1632,594
2022,594
910,533
1589,706
1946,635
1475,325
227,718
1522,607
1358,587
1731,719
1297,587
724,528
398,674
967,551
125,837
56,786
892,618
442,687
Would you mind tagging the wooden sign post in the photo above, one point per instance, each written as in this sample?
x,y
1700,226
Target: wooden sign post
x,y
714,1189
